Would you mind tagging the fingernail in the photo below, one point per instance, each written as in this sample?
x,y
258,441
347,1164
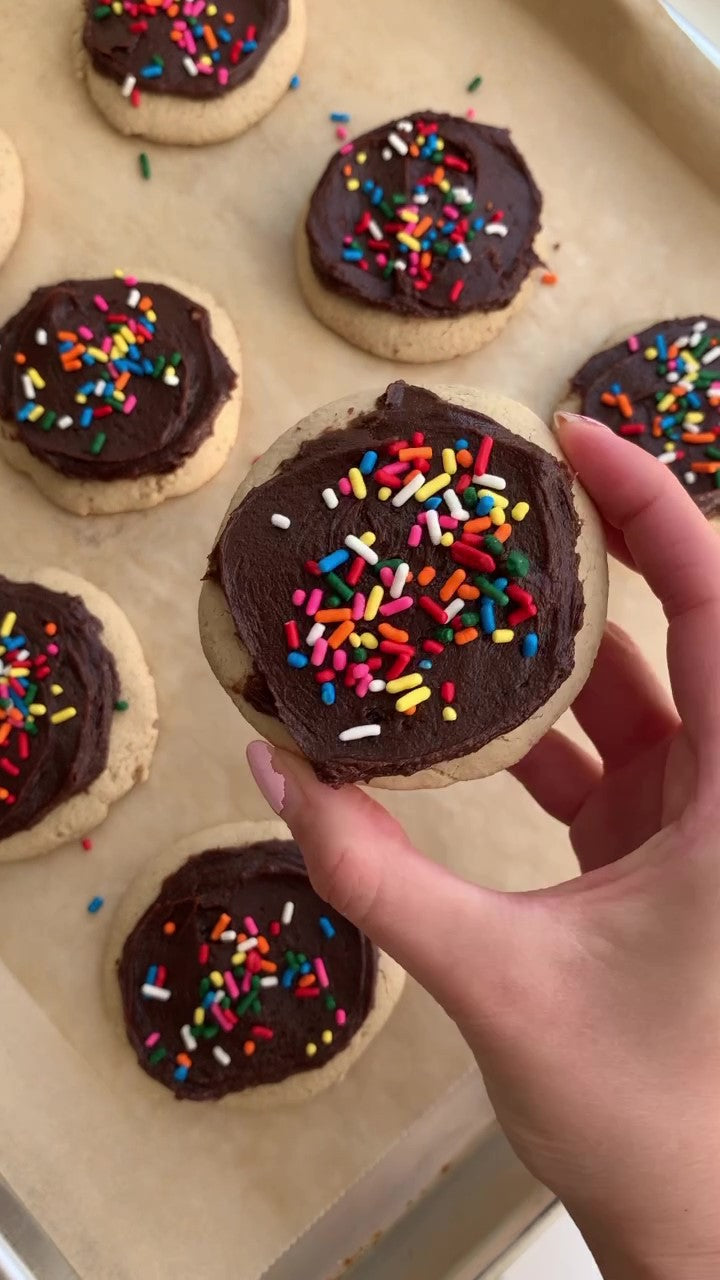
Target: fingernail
x,y
564,419
268,779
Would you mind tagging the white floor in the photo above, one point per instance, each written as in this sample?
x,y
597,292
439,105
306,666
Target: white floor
x,y
558,1254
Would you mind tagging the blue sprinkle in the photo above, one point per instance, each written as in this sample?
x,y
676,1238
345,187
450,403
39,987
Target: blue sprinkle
x,y
327,693
135,367
14,642
216,55
287,978
694,399
249,46
94,905
460,444
426,664
86,417
306,968
377,196
224,35
484,505
339,117
530,645
147,365
86,389
661,345
151,73
432,504
501,583
65,346
367,186
297,660
208,999
478,224
180,1073
352,255
327,928
616,389
151,974
487,616
455,252
295,82
87,358
368,462
331,562
23,414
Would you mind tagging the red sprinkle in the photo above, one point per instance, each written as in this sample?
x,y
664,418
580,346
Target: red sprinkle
x,y
472,557
483,456
447,691
432,608
292,635
203,953
87,843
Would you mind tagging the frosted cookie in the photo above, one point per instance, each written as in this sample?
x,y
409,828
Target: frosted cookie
x,y
190,72
232,979
78,715
419,240
118,393
661,389
12,195
408,588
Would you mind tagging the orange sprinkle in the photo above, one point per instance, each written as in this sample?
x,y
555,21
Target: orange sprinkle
x,y
656,428
464,457
51,627
624,406
477,526
268,966
413,149
263,945
503,531
607,397
425,258
448,589
393,633
173,11
4,732
548,277
4,793
468,593
184,1060
672,351
333,615
176,35
406,455
249,1048
706,468
410,711
220,927
77,350
307,980
464,637
438,175
169,928
421,227
66,335
210,37
122,381
426,575
145,303
702,437
20,358
340,634
229,18
347,170
72,366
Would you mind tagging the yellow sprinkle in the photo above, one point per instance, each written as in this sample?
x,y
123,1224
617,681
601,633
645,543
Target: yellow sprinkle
x,y
37,708
352,184
354,639
127,334
503,637
373,602
496,497
407,215
37,412
439,144
384,493
118,272
56,689
445,185
216,978
449,713
405,238
117,8
446,539
8,623
666,403
311,1049
36,380
412,699
119,396
520,510
368,538
404,682
432,486
206,60
120,344
368,640
80,398
449,461
238,958
694,418
669,447
199,1017
497,515
151,316
327,1037
211,10
357,480
59,717
690,361
99,354
19,671
361,157
650,353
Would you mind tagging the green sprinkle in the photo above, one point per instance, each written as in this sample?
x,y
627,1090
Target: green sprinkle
x,y
211,1032
716,479
388,270
517,564
445,635
245,1004
493,545
388,209
470,497
103,11
204,986
157,1055
386,564
256,1008
226,1002
98,443
48,419
470,619
333,602
159,366
343,590
175,359
488,588
713,452
330,1003
122,704
360,654
302,958
145,165
474,84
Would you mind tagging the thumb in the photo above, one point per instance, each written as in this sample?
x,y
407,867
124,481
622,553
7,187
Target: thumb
x,y
361,862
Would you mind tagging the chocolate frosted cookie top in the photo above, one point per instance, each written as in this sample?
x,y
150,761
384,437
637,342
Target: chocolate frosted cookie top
x,y
428,216
190,48
58,691
407,587
111,379
661,389
239,975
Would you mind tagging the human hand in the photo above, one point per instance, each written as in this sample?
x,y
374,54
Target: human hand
x,y
595,1016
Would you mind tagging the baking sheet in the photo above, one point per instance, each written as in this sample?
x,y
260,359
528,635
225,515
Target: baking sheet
x,y
130,1184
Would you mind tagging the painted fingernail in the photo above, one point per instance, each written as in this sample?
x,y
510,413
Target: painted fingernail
x,y
268,779
564,419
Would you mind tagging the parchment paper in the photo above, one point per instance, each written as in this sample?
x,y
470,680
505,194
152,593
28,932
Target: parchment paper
x,y
134,1184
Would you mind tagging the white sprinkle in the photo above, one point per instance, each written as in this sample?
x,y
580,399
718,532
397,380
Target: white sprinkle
x,y
464,254
28,387
691,428
360,731
190,66
41,337
268,982
219,995
712,354
228,935
690,477
400,264
280,522
188,1038
490,481
128,85
397,585
695,338
405,126
361,549
330,498
221,1055
375,230
65,422
376,686
403,495
171,379
668,457
672,376
398,144
461,195
155,993
133,297
421,199
454,608
700,326
314,634
682,341
99,387
454,505
288,912
495,229
386,153
247,945
433,527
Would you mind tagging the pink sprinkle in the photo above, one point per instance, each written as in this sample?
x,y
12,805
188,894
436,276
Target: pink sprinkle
x,y
470,113
222,75
446,522
251,926
203,953
358,606
347,149
381,260
85,333
344,485
152,1039
341,133
363,685
414,257
360,669
633,344
130,280
340,659
231,985
246,983
100,302
321,972
220,1017
106,345
203,69
318,656
415,535
386,575
314,601
396,468
129,404
53,649
298,597
340,1017
396,606
451,212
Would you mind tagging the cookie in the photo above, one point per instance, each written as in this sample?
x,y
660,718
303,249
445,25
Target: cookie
x,y
420,239
408,588
233,980
12,195
78,714
118,393
660,388
159,76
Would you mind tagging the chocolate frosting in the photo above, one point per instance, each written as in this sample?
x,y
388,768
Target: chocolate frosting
x,y
661,389
139,41
241,890
112,408
477,217
52,657
497,686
